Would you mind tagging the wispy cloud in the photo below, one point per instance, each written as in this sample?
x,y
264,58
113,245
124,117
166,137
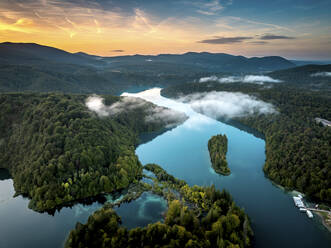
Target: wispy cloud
x,y
276,37
118,51
258,42
225,40
236,20
210,8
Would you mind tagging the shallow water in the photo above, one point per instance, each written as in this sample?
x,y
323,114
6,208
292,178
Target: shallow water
x,y
148,208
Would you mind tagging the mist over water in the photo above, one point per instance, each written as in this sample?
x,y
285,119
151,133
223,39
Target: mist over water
x,y
154,114
183,153
254,79
213,104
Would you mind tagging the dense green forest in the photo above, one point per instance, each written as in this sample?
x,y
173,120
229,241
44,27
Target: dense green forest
x,y
298,150
58,151
307,77
196,217
218,147
69,78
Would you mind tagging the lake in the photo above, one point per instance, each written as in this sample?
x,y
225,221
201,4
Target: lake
x,y
183,152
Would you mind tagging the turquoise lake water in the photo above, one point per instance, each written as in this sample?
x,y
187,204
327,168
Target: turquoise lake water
x,y
183,152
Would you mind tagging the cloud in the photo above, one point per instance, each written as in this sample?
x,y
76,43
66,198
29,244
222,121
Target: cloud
x,y
276,37
204,12
227,104
210,8
153,113
321,74
256,79
258,42
118,51
225,40
214,5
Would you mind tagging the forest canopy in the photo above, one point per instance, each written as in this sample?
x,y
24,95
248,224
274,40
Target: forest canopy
x,y
196,217
218,147
59,151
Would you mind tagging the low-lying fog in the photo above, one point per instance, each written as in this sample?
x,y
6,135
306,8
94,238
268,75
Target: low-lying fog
x,y
213,104
153,113
254,79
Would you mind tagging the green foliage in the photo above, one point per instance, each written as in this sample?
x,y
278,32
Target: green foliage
x,y
303,77
218,147
58,151
203,217
297,148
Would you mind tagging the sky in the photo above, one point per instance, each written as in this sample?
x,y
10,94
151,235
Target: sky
x,y
295,29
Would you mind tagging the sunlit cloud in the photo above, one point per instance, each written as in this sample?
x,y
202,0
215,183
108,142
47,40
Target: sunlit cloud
x,y
225,40
98,27
276,37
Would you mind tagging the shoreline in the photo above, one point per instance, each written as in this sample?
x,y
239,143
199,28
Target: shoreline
x,y
323,220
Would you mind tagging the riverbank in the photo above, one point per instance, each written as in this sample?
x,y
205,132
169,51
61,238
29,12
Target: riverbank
x,y
325,219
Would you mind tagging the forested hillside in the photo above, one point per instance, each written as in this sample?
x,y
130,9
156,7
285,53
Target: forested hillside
x,y
58,151
196,217
69,78
298,150
307,76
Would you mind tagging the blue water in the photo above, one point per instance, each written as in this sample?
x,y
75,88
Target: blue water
x,y
148,208
22,227
183,153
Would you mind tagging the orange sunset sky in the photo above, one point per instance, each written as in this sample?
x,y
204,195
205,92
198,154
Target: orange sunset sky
x,y
110,28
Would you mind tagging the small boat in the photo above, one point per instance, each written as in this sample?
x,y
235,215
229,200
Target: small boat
x,y
309,214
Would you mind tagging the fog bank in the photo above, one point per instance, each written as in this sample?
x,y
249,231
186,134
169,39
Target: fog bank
x,y
321,74
153,113
227,104
255,79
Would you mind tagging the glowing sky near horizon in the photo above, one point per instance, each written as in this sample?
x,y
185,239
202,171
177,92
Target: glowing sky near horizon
x,y
299,29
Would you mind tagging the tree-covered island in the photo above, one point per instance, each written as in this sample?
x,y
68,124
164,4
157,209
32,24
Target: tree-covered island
x,y
218,147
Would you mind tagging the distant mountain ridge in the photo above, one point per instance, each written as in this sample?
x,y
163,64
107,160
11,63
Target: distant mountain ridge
x,y
215,62
33,67
31,53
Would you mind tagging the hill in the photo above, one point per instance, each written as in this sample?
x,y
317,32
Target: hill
x,y
307,76
211,62
58,150
31,53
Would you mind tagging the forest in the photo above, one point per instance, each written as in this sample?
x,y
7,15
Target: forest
x,y
298,154
58,151
196,217
218,147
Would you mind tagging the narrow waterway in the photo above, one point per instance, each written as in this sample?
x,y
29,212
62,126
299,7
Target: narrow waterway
x,y
183,153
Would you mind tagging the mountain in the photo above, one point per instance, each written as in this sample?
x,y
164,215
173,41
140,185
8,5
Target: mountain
x,y
31,53
211,62
33,67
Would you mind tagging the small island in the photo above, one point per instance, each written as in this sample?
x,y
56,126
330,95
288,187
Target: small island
x,y
218,147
